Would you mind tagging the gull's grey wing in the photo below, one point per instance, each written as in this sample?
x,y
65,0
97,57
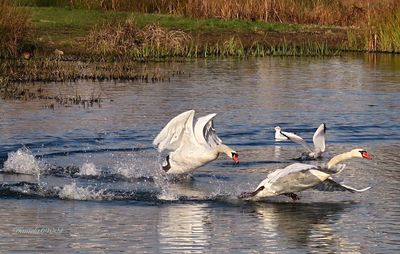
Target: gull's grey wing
x,y
331,185
319,139
297,139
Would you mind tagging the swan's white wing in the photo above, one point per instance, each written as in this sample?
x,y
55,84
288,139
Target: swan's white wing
x,y
170,137
297,139
204,131
331,185
319,139
296,167
337,169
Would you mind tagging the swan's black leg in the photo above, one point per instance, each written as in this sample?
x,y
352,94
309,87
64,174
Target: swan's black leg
x,y
166,165
251,194
291,195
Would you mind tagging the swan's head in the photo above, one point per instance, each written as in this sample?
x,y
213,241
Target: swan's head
x,y
361,153
235,157
277,129
221,148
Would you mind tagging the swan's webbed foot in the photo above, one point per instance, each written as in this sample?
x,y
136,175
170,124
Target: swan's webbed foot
x,y
291,195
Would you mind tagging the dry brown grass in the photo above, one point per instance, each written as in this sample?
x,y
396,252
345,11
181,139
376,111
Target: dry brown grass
x,y
124,37
319,12
15,28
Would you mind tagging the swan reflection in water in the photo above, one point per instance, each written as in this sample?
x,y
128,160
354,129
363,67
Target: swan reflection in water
x,y
304,225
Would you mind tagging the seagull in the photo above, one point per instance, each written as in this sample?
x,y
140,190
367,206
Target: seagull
x,y
318,140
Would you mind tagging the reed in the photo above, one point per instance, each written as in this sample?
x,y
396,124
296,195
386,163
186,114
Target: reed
x,y
321,12
153,41
15,29
387,36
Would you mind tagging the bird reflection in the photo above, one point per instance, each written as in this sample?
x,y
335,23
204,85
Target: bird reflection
x,y
183,228
299,224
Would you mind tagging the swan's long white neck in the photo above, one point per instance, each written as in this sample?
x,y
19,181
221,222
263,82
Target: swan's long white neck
x,y
341,157
221,148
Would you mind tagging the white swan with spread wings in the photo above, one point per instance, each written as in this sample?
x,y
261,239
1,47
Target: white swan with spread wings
x,y
298,177
191,145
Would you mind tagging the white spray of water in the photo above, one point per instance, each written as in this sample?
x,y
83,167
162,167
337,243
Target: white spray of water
x,y
88,169
71,191
23,162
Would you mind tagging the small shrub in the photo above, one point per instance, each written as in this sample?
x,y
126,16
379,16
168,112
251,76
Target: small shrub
x,y
15,28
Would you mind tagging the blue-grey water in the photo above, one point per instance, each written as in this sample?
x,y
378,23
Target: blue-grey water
x,y
77,179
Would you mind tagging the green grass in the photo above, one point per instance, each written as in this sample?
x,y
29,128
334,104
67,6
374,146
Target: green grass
x,y
63,26
76,22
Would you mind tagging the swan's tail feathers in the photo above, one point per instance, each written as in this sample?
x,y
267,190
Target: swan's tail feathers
x,y
246,195
331,185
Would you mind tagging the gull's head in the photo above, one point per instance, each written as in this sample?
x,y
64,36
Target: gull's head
x,y
277,128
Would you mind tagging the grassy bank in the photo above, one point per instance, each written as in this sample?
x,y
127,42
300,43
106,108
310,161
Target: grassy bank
x,y
66,29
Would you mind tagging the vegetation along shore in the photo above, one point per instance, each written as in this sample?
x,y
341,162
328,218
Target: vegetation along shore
x,y
41,39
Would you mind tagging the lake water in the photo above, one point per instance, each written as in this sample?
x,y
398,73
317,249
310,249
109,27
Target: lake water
x,y
77,179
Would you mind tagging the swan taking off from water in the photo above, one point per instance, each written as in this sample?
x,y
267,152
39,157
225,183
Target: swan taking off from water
x,y
318,140
192,145
298,177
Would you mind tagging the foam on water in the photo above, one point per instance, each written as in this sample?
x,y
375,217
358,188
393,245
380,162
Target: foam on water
x,y
89,169
72,191
22,162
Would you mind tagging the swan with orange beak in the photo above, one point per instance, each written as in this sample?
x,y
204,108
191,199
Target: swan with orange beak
x,y
191,145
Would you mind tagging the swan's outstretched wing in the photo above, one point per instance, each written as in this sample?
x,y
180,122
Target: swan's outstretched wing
x,y
170,137
297,139
204,131
319,139
331,185
337,169
279,173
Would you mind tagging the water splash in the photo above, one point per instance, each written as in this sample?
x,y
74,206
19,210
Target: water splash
x,y
72,191
22,162
89,169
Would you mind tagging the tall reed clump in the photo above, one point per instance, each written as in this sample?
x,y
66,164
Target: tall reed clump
x,y
127,40
15,28
387,37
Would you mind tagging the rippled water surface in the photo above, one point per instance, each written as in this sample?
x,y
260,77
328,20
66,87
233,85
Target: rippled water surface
x,y
77,179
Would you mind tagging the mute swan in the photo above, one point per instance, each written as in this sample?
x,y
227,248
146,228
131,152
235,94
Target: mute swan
x,y
298,177
318,140
192,145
